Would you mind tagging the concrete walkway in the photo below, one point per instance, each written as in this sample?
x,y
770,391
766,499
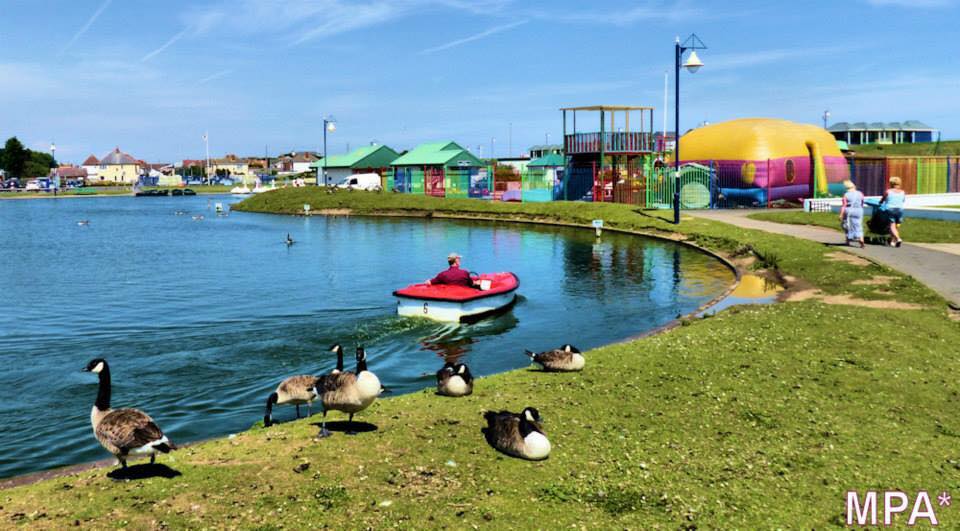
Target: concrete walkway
x,y
938,268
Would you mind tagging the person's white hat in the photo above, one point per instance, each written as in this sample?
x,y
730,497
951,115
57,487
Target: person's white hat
x,y
453,256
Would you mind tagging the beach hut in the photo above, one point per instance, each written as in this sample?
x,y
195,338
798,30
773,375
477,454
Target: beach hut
x,y
367,159
758,160
543,178
441,169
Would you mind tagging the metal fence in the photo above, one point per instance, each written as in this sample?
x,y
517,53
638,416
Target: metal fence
x,y
919,175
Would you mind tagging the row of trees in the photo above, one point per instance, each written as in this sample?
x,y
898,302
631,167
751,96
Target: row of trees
x,y
18,161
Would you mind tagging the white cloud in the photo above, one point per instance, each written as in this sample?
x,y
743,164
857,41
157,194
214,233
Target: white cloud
x,y
164,46
83,29
471,38
212,77
762,57
912,3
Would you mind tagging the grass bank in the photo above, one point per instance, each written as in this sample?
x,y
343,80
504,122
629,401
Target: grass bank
x,y
946,147
759,417
913,229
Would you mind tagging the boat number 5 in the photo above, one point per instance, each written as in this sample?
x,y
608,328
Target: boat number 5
x,y
424,307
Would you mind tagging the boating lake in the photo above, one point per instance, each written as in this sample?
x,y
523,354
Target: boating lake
x,y
201,319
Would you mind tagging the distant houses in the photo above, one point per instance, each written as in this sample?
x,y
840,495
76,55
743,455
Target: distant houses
x,y
907,132
92,165
119,167
295,162
229,166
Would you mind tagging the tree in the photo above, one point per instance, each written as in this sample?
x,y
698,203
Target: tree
x,y
14,157
38,164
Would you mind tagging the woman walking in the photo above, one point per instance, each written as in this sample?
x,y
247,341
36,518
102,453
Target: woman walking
x,y
892,201
851,213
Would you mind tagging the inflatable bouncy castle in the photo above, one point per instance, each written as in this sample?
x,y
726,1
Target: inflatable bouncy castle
x,y
758,160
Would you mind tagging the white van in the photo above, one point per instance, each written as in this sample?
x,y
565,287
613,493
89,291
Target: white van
x,y
361,181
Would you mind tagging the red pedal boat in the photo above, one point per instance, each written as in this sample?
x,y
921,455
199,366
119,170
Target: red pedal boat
x,y
458,303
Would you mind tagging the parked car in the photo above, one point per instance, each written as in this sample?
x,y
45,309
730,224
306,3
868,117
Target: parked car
x,y
32,186
361,181
10,184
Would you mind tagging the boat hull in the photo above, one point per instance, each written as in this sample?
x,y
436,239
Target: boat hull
x,y
454,312
454,303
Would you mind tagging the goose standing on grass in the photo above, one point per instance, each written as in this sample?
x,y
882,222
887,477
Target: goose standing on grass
x,y
454,379
298,390
564,359
123,432
348,392
519,435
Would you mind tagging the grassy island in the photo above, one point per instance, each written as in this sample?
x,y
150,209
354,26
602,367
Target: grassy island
x,y
758,417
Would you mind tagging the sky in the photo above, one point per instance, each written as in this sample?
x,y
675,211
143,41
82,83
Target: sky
x,y
260,75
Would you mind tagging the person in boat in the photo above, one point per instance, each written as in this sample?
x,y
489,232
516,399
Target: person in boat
x,y
453,275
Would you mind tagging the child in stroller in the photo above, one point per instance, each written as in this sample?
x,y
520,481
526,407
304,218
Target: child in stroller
x,y
879,223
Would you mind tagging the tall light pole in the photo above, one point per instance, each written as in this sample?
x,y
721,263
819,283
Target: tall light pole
x,y
826,116
510,141
329,124
692,64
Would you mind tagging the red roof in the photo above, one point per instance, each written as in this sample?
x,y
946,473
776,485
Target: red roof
x,y
91,161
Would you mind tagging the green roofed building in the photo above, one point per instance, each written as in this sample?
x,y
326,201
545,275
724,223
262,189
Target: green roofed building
x,y
366,159
437,168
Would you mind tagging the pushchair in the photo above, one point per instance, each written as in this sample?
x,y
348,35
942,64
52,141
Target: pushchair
x,y
878,226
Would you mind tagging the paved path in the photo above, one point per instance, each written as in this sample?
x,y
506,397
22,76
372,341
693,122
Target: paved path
x,y
936,265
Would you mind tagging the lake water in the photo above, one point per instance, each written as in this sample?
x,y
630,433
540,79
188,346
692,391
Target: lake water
x,y
201,319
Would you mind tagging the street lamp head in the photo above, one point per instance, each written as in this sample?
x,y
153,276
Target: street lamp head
x,y
693,63
330,123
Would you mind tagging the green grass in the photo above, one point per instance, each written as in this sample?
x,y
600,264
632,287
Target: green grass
x,y
912,230
759,417
947,147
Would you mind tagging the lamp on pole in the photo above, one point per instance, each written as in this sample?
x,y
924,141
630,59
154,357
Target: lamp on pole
x,y
692,64
329,124
826,116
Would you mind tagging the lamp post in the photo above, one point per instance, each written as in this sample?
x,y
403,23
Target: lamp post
x,y
329,124
692,64
826,116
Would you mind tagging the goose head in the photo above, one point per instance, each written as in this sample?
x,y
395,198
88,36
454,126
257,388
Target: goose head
x,y
96,365
530,414
570,348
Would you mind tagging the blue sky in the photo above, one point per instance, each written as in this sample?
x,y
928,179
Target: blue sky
x,y
151,77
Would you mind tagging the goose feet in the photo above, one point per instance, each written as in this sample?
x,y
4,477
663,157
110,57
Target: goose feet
x,y
153,458
324,433
351,430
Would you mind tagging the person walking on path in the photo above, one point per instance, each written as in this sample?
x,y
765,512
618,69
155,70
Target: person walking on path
x,y
892,201
851,213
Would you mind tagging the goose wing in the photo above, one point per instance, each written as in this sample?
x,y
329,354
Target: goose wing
x,y
298,387
503,430
337,388
553,357
127,429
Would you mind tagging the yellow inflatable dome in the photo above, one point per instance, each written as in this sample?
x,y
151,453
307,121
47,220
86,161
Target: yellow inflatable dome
x,y
785,159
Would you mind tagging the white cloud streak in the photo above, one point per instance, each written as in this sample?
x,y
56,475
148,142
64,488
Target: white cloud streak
x,y
215,76
471,38
164,46
922,4
83,29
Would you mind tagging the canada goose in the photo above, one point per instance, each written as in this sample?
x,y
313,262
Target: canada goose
x,y
289,241
348,392
123,432
83,222
198,217
564,359
454,379
519,435
297,390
